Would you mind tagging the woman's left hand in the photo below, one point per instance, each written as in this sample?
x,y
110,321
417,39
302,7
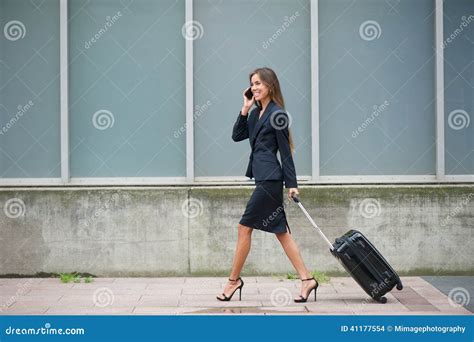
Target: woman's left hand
x,y
292,192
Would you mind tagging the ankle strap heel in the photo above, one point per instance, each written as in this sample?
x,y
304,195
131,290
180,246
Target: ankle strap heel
x,y
302,298
308,279
224,298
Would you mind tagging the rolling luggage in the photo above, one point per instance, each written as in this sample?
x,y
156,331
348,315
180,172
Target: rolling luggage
x,y
362,260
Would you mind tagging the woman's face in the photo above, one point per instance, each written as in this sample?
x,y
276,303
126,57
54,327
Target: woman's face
x,y
259,89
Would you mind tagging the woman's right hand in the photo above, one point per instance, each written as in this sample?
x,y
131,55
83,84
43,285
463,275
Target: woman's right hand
x,y
247,103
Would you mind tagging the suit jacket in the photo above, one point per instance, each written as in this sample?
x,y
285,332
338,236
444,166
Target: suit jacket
x,y
265,141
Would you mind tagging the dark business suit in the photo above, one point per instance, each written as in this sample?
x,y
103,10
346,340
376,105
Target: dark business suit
x,y
265,140
265,210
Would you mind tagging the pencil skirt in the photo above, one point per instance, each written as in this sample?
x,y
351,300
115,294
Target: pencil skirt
x,y
265,209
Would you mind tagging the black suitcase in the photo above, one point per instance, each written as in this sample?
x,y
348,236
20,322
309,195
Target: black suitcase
x,y
362,260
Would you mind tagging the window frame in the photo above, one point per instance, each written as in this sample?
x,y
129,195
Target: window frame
x,y
190,179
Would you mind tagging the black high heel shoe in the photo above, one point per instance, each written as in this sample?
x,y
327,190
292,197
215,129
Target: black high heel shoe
x,y
315,287
226,299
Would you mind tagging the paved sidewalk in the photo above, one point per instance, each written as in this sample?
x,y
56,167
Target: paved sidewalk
x,y
171,296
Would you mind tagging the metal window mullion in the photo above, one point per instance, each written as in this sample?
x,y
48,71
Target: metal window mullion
x,y
64,89
189,98
314,13
440,141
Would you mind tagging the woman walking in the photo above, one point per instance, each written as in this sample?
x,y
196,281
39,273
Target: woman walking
x,y
266,127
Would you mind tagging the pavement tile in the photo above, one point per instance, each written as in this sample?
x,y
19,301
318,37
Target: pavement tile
x,y
367,300
51,298
439,301
24,310
7,290
456,312
427,291
214,281
144,280
91,311
33,303
163,287
331,310
120,300
189,296
377,307
422,308
157,301
326,288
201,297
342,296
54,281
449,307
290,308
350,291
229,310
16,281
263,280
157,291
112,286
216,303
114,291
47,293
215,292
269,286
280,303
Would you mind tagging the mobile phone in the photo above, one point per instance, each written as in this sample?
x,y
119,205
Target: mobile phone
x,y
249,94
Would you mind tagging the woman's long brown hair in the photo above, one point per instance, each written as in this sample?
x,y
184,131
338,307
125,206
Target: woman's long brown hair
x,y
270,79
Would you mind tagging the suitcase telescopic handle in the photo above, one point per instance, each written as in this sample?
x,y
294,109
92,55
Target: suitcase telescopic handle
x,y
297,201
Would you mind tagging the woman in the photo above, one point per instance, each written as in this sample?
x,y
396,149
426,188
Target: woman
x,y
266,126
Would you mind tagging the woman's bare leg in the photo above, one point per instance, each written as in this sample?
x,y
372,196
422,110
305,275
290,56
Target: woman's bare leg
x,y
293,253
242,249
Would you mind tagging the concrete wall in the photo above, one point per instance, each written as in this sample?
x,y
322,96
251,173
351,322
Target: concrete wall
x,y
192,230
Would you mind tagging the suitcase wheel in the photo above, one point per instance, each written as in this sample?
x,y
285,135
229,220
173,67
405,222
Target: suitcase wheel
x,y
382,300
399,286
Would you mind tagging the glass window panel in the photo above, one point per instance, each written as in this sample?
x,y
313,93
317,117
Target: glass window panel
x,y
127,88
233,38
29,89
459,86
377,87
